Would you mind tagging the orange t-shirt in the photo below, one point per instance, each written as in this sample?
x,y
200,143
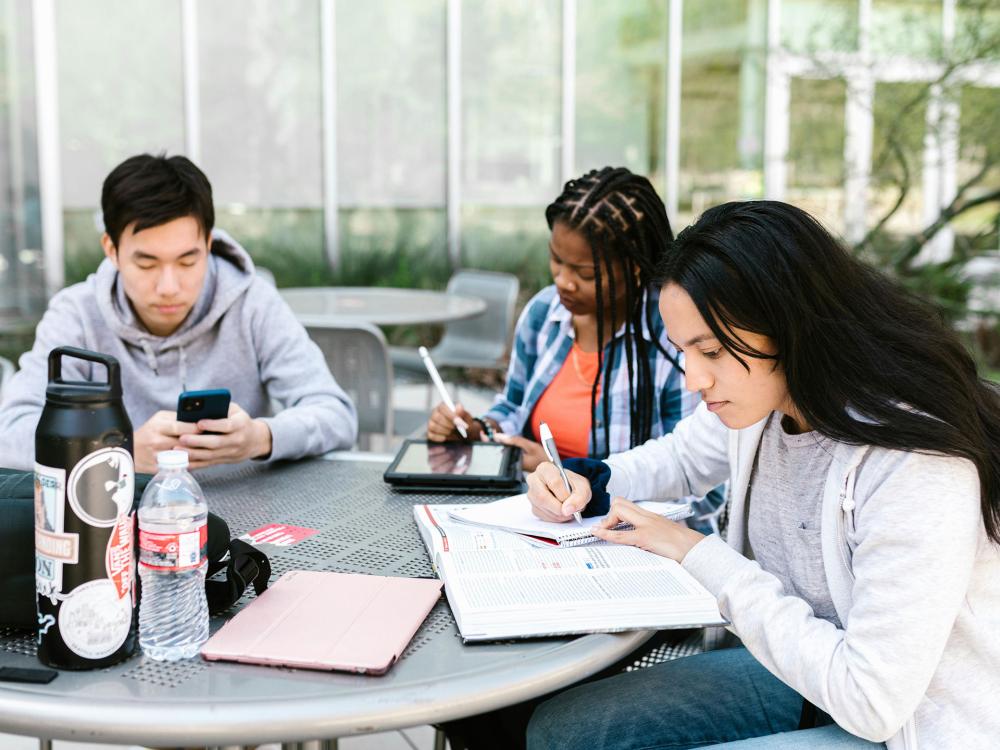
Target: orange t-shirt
x,y
565,404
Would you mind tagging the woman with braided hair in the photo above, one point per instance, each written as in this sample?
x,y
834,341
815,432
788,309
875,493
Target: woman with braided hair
x,y
591,357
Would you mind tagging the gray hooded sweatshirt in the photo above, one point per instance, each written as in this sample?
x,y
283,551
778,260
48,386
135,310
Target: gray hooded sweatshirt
x,y
239,335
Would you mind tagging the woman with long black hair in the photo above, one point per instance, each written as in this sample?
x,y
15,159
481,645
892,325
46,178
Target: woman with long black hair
x,y
861,568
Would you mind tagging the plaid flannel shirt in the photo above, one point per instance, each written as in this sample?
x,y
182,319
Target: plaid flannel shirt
x,y
542,341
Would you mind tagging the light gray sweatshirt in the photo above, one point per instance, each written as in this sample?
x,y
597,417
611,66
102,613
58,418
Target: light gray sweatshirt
x,y
913,577
240,335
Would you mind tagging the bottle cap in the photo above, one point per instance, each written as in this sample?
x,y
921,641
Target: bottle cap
x,y
172,459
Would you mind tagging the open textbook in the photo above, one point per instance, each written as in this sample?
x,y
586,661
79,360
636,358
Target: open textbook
x,y
514,514
500,586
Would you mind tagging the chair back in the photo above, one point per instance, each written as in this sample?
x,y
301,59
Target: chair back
x,y
481,341
6,370
358,357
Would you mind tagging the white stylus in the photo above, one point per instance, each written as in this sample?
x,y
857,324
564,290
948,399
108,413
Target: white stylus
x,y
549,446
439,384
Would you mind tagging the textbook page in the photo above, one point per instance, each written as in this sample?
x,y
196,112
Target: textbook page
x,y
510,593
514,514
440,533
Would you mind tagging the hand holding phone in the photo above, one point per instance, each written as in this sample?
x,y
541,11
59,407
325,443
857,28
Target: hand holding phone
x,y
232,439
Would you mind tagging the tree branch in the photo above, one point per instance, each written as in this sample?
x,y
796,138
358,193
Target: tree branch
x,y
913,245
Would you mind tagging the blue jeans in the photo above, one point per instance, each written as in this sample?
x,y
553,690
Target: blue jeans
x,y
719,699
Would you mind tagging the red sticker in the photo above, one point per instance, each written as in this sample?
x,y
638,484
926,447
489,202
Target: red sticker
x,y
278,534
118,557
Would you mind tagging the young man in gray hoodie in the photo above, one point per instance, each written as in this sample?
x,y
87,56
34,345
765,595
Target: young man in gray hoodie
x,y
181,308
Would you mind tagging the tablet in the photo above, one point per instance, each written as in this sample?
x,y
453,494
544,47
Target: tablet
x,y
455,467
315,619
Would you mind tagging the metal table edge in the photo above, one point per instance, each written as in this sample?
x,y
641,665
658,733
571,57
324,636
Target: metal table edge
x,y
234,722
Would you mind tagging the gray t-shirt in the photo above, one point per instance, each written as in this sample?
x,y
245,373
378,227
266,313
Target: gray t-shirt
x,y
785,501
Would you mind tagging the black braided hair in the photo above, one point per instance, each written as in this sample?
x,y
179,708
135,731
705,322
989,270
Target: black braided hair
x,y
625,222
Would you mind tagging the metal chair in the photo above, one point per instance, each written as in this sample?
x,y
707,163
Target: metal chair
x,y
6,370
480,342
358,357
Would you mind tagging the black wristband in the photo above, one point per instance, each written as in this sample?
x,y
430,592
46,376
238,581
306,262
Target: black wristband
x,y
487,427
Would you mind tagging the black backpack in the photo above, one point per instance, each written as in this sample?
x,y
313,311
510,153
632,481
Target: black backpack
x,y
245,564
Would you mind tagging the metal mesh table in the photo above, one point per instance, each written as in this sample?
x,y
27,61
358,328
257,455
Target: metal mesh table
x,y
365,527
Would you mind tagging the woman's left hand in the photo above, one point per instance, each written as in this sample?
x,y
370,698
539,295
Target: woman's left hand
x,y
532,453
652,532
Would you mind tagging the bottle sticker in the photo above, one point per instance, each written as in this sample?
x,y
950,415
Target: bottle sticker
x,y
118,560
93,620
102,486
53,548
173,551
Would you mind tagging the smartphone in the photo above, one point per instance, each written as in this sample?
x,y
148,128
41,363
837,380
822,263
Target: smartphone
x,y
193,406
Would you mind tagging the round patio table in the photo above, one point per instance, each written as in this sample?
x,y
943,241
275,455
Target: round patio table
x,y
382,306
362,526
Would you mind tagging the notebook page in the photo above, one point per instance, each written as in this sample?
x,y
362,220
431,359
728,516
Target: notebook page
x,y
514,514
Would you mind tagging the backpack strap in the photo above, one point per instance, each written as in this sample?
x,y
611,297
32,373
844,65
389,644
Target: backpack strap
x,y
245,565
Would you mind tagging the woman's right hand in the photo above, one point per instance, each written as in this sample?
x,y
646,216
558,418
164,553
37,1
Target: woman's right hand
x,y
548,496
441,425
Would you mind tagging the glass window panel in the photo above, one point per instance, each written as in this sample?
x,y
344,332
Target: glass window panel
x,y
979,158
897,156
907,27
261,130
511,98
259,95
120,88
978,27
810,26
621,54
722,105
816,149
286,241
514,239
22,283
117,98
391,103
404,247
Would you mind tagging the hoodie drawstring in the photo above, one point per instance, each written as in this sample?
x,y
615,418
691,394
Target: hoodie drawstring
x,y
183,368
147,348
150,356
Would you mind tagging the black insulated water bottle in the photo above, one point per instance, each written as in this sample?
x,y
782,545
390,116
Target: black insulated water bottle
x,y
84,519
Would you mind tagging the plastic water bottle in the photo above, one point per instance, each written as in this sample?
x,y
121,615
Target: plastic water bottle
x,y
173,538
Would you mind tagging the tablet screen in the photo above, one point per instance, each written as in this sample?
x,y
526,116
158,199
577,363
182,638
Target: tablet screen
x,y
474,459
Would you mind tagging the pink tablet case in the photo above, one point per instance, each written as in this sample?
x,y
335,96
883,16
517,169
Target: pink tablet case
x,y
330,621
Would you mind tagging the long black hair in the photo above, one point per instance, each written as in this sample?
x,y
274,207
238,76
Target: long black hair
x,y
866,362
624,222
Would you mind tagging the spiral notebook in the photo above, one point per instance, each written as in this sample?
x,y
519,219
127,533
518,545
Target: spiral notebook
x,y
514,514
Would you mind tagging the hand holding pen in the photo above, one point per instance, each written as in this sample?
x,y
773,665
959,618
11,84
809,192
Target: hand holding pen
x,y
549,444
547,493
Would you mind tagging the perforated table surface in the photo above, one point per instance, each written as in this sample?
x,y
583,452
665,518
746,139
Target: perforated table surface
x,y
365,527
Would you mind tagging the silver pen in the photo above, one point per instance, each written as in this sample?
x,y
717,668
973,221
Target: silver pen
x,y
549,446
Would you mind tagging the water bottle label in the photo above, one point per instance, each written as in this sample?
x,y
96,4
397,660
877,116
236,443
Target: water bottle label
x,y
171,552
53,548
